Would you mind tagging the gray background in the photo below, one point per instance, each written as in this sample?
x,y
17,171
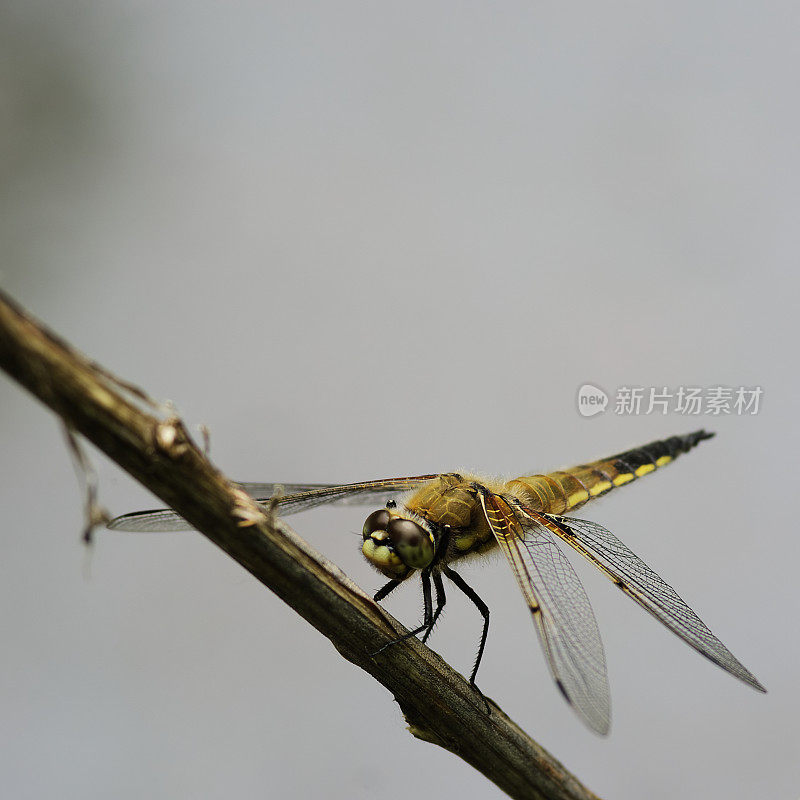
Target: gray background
x,y
359,240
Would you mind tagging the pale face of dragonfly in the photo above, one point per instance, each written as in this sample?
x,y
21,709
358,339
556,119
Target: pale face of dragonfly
x,y
439,523
430,522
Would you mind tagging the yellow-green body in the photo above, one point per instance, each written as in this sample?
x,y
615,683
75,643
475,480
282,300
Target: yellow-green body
x,y
451,500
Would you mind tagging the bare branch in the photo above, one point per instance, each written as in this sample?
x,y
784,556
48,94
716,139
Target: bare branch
x,y
437,702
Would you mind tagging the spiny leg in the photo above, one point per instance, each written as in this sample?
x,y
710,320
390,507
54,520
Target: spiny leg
x,y
385,590
484,610
428,618
441,599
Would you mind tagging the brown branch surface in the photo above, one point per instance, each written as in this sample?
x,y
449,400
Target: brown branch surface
x,y
437,702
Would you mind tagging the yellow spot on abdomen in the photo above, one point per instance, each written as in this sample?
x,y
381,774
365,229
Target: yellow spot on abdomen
x,y
644,469
663,460
625,477
577,497
599,488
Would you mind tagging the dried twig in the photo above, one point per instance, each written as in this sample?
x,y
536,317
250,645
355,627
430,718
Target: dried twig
x,y
437,702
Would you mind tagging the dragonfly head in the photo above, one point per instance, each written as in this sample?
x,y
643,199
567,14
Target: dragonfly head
x,y
396,542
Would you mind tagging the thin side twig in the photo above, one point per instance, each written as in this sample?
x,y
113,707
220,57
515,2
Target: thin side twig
x,y
438,703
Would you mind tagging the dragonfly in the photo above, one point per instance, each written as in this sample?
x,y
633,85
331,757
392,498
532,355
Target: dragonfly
x,y
429,523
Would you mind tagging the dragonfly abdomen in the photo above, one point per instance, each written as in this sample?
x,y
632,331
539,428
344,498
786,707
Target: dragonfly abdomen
x,y
565,490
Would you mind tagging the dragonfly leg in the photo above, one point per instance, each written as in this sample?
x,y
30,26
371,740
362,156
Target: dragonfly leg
x,y
441,599
428,618
484,610
385,590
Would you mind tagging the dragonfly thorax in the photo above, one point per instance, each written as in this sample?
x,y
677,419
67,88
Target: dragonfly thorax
x,y
397,542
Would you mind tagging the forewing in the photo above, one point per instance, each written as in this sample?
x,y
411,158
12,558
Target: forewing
x,y
366,493
261,491
561,610
644,586
295,498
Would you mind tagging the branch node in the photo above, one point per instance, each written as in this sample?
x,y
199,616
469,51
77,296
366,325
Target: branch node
x,y
167,434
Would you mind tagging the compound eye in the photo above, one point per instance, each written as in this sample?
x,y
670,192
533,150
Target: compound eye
x,y
411,542
376,521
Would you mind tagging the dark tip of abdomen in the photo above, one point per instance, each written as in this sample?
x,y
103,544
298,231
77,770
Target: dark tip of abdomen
x,y
691,439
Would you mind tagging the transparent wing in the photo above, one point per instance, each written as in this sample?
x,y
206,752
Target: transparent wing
x,y
365,493
260,491
296,498
561,611
159,520
639,582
